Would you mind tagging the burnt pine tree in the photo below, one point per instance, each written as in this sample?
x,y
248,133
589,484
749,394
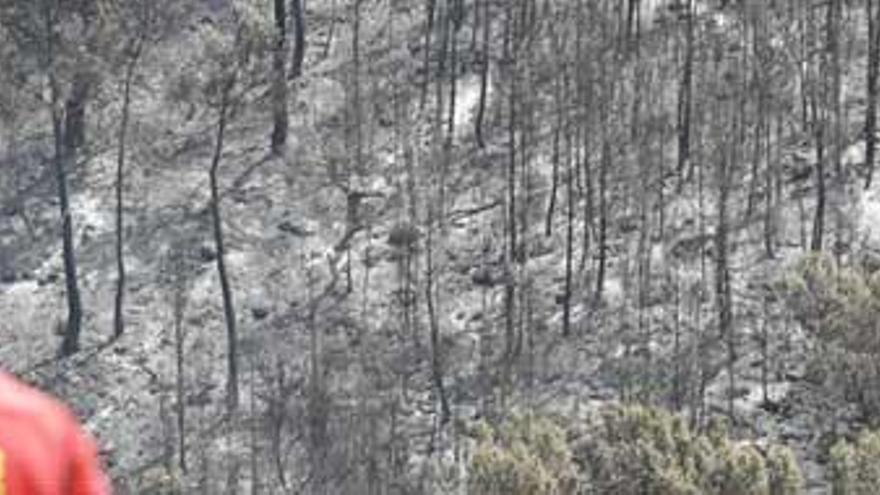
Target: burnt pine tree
x,y
227,85
442,150
818,128
280,121
569,231
511,252
873,15
685,105
133,51
557,130
430,7
484,75
89,20
299,37
64,155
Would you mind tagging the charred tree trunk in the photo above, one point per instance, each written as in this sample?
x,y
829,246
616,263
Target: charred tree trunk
x,y
179,301
430,6
819,218
684,96
436,350
299,38
279,79
356,83
70,344
330,31
118,321
454,22
632,8
484,76
873,71
511,257
551,206
603,219
75,113
64,154
722,276
569,237
586,102
228,303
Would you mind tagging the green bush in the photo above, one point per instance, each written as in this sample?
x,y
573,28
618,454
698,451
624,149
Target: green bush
x,y
626,450
634,450
526,456
855,468
840,306
157,480
784,473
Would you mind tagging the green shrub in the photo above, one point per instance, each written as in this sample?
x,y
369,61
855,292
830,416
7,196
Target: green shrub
x,y
784,474
743,472
526,456
634,450
855,468
626,450
840,306
157,480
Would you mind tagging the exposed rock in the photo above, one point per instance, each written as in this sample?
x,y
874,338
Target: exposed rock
x,y
207,254
259,313
483,277
293,229
403,235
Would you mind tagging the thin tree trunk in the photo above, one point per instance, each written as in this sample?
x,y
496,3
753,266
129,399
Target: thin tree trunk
x,y
430,6
833,24
586,102
279,80
769,208
819,219
722,274
603,218
252,429
684,96
484,75
299,38
359,166
317,420
118,319
356,83
475,27
228,303
722,282
632,5
677,388
331,30
63,155
873,15
557,100
179,306
765,347
436,351
70,344
510,279
569,237
454,21
75,113
551,206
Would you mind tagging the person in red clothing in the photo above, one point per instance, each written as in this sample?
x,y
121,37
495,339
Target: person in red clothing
x,y
43,449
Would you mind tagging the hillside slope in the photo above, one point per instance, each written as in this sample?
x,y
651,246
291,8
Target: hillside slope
x,y
386,267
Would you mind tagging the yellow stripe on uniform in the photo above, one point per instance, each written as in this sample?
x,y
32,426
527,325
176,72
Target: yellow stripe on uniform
x,y
2,473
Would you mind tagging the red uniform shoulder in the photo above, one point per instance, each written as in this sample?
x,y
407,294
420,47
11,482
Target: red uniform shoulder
x,y
42,447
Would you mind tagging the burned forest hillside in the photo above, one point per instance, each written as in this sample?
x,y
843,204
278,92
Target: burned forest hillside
x,y
493,247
